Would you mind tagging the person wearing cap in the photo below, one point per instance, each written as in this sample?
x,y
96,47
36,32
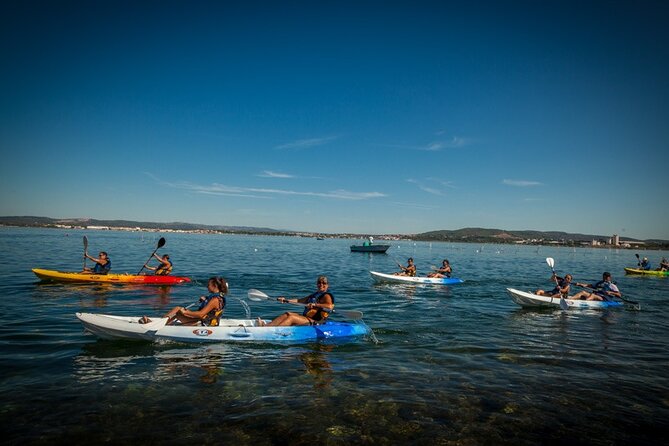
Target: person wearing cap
x,y
605,290
645,264
165,266
210,309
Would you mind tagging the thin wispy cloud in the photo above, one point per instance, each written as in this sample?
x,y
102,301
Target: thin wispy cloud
x,y
454,143
431,185
254,192
306,143
272,174
521,183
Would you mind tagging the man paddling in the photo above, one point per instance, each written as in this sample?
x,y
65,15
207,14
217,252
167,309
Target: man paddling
x,y
605,289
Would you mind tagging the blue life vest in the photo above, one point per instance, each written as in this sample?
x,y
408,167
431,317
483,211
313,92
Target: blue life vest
x,y
317,314
100,269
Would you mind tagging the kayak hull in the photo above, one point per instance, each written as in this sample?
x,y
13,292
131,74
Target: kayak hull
x,y
383,277
646,272
527,299
60,276
111,327
370,248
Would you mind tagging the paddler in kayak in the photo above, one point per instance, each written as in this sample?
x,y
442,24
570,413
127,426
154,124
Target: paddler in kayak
x,y
102,264
444,270
664,265
210,309
165,266
562,286
409,270
605,289
317,308
645,264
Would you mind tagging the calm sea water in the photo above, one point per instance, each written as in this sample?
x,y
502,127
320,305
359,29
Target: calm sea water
x,y
448,365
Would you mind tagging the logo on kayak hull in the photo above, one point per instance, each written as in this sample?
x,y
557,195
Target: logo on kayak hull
x,y
202,332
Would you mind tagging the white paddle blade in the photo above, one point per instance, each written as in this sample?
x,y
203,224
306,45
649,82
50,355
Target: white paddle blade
x,y
257,295
550,262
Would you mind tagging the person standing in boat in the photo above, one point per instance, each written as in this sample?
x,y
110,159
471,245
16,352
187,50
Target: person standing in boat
x,y
444,271
604,290
102,264
210,309
165,266
317,308
562,286
409,270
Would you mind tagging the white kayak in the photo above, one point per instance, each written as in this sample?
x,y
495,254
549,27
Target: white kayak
x,y
107,326
527,299
383,277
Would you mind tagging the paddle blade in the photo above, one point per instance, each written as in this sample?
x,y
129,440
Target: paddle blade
x,y
86,244
161,242
257,295
563,303
550,262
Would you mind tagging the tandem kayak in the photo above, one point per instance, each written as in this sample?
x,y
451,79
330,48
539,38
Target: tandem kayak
x,y
246,330
59,276
527,299
370,248
650,272
383,277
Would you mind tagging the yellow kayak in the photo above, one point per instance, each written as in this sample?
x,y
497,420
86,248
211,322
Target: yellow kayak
x,y
60,276
651,272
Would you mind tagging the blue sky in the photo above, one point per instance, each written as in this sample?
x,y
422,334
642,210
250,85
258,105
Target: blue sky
x,y
367,117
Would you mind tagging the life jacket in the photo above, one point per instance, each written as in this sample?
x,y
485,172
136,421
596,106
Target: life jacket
x,y
102,269
602,287
561,284
213,318
318,315
163,270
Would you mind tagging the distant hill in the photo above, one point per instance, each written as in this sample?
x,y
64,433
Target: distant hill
x,y
178,226
482,235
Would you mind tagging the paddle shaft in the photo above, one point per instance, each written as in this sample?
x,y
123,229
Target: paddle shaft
x,y
161,242
260,295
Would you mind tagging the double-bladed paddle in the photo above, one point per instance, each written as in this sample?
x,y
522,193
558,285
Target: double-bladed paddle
x,y
551,263
161,243
257,295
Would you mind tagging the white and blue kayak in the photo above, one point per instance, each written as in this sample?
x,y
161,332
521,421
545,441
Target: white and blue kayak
x,y
246,330
527,299
383,277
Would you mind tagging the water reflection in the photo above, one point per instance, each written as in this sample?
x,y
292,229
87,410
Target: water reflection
x,y
318,366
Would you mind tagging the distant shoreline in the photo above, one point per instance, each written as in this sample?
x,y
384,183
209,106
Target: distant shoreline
x,y
465,235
